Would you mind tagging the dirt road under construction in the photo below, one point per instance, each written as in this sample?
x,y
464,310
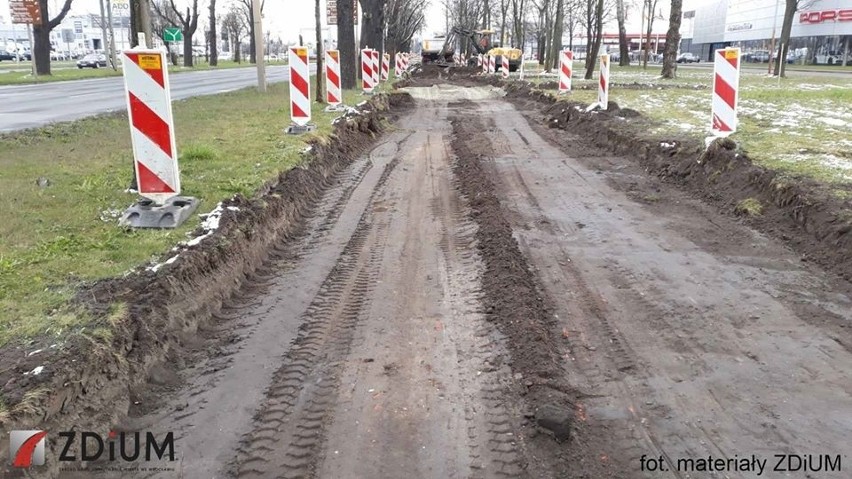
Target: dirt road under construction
x,y
483,296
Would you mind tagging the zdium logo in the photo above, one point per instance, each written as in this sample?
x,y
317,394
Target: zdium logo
x,y
26,448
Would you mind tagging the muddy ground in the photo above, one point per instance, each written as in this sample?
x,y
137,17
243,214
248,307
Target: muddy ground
x,y
482,295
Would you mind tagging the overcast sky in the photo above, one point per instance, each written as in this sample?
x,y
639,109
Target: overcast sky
x,y
286,18
282,18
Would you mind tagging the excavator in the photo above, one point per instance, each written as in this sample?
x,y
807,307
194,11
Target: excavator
x,y
441,51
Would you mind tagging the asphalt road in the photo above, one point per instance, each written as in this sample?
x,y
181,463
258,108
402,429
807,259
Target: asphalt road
x,y
27,106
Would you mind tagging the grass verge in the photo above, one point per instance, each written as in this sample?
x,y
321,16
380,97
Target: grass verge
x,y
62,188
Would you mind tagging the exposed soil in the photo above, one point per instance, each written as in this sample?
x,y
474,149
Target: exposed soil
x,y
88,384
494,287
802,213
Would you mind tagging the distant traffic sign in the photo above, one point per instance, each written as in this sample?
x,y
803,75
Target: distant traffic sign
x,y
331,12
26,11
172,35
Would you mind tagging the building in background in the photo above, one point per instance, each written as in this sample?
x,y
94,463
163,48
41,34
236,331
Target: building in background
x,y
77,35
821,33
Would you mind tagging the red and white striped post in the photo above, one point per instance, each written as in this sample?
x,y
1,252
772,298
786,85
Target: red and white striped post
x,y
152,130
726,86
484,64
603,82
367,71
397,67
492,64
505,67
405,59
566,69
479,60
300,91
385,66
376,67
152,136
332,78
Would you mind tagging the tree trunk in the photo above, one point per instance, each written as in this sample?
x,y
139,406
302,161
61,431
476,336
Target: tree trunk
x,y
786,27
672,40
187,49
623,46
346,44
320,54
252,52
545,33
41,49
518,16
556,43
235,45
140,21
504,8
648,32
372,25
41,36
592,55
214,40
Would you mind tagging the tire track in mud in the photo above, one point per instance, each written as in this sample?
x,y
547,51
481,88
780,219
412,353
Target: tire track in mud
x,y
493,443
289,433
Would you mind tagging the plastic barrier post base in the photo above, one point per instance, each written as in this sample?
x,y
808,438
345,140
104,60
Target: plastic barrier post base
x,y
147,214
295,129
340,107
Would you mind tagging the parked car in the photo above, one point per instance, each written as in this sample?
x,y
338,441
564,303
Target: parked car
x,y
688,57
831,58
55,55
759,56
92,61
4,55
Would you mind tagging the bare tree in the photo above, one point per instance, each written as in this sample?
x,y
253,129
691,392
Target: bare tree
x,y
248,14
504,10
234,25
404,19
648,8
790,7
346,44
623,46
672,40
540,28
189,24
212,36
594,34
164,17
556,38
573,20
41,36
519,10
373,25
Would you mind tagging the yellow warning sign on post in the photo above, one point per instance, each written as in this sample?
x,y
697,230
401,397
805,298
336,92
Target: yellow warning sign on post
x,y
150,62
732,54
301,51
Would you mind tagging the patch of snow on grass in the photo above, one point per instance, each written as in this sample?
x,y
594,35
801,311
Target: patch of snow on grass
x,y
831,121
